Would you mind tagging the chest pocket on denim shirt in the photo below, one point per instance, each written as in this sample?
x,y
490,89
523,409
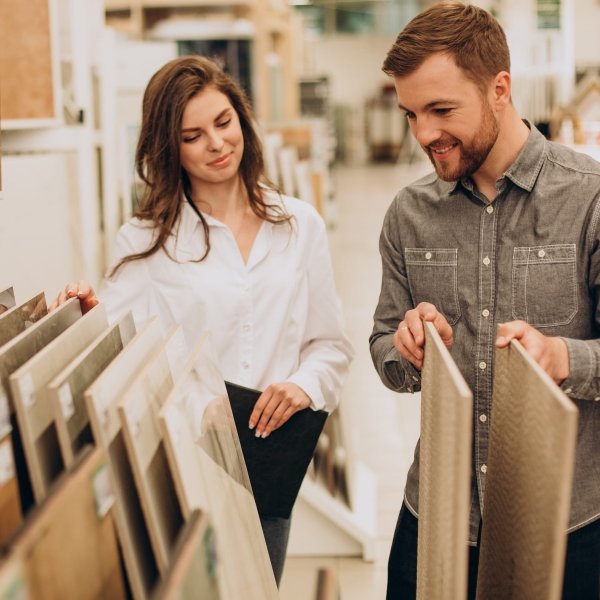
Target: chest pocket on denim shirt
x,y
432,277
544,284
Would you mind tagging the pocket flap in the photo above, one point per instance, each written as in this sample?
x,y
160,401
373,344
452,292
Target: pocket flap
x,y
529,255
431,256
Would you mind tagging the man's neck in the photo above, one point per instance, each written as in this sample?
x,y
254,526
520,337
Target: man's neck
x,y
512,137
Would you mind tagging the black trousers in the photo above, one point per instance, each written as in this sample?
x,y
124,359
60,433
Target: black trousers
x,y
582,563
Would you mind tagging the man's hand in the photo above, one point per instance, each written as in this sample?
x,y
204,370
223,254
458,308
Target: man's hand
x,y
549,352
83,290
409,338
276,405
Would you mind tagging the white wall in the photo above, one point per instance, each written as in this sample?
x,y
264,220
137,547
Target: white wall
x,y
587,28
40,243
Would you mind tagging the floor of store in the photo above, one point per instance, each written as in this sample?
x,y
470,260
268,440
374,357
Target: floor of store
x,y
384,425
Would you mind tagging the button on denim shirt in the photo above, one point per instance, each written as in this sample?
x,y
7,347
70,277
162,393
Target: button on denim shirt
x,y
531,254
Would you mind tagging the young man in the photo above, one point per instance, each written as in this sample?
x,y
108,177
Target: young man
x,y
501,242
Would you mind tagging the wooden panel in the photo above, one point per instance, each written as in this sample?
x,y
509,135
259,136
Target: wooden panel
x,y
529,476
206,459
138,411
192,573
7,297
17,319
445,475
68,545
101,400
14,354
10,503
66,391
34,411
26,61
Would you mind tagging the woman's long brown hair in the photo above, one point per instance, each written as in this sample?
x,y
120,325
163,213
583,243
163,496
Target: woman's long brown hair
x,y
157,159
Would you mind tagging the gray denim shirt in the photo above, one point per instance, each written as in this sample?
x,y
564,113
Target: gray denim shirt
x,y
531,254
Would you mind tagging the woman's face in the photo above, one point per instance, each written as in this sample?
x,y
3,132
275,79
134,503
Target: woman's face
x,y
211,139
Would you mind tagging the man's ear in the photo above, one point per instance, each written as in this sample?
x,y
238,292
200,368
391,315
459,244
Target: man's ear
x,y
502,86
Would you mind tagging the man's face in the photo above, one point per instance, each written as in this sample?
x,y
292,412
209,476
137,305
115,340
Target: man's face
x,y
449,117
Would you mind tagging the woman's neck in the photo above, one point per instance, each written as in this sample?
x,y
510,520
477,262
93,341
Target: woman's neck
x,y
221,201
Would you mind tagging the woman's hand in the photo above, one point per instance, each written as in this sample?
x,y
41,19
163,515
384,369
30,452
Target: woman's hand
x,y
276,405
82,290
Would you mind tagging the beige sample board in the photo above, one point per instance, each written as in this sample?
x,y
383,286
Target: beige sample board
x,y
34,411
101,399
138,411
66,391
529,477
67,547
204,451
192,572
444,475
12,356
18,318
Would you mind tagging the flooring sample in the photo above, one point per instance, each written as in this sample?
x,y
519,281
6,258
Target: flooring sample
x,y
34,410
529,476
7,300
138,411
10,503
101,400
18,318
67,546
66,391
445,474
192,573
205,455
275,485
15,353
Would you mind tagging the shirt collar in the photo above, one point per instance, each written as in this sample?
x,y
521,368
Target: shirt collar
x,y
525,169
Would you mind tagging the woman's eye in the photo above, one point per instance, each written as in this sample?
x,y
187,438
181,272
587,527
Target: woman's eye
x,y
191,138
224,123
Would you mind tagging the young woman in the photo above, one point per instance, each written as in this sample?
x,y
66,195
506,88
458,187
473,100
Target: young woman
x,y
214,247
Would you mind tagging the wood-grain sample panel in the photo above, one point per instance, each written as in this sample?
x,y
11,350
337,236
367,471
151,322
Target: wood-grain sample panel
x,y
204,451
13,355
35,416
66,390
529,477
138,411
18,318
444,474
68,545
192,573
101,400
10,503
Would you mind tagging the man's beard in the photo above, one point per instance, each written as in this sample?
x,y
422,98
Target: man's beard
x,y
472,156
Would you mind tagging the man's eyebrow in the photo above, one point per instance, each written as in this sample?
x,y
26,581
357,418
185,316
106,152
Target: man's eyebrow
x,y
429,105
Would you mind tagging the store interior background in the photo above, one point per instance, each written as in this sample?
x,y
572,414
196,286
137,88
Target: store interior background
x,y
333,135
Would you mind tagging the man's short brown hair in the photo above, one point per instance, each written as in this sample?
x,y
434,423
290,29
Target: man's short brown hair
x,y
467,33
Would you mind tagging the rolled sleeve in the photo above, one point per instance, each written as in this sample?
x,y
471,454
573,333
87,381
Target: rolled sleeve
x,y
584,369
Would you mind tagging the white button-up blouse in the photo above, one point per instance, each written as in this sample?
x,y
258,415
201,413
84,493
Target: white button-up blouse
x,y
275,318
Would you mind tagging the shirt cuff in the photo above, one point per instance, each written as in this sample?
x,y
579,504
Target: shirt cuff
x,y
401,373
317,401
581,369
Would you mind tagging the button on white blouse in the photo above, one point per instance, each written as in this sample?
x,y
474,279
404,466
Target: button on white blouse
x,y
275,318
